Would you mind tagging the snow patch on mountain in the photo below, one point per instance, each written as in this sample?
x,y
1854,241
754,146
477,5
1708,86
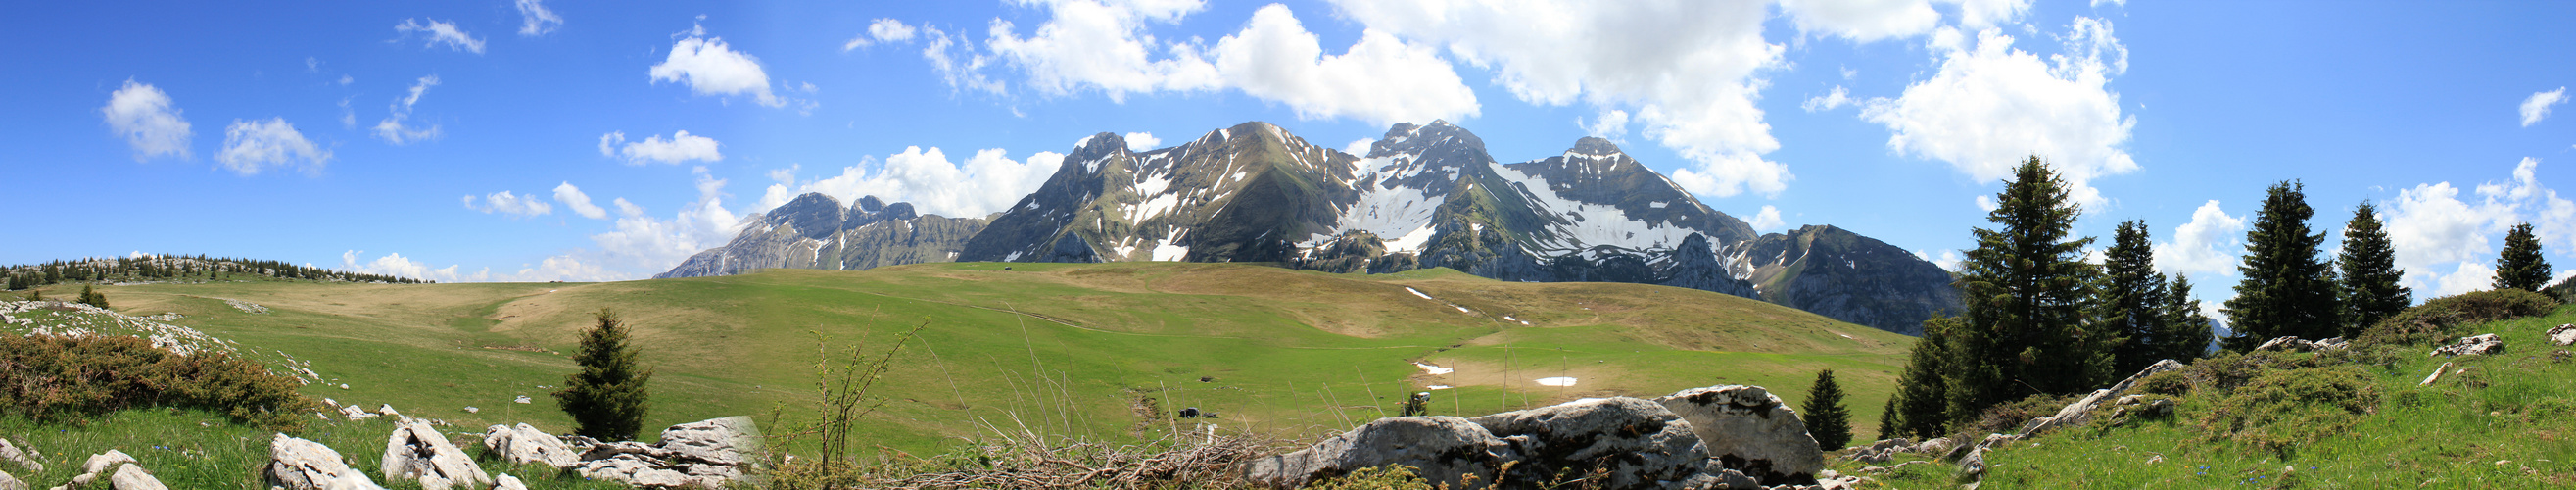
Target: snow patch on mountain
x,y
1585,225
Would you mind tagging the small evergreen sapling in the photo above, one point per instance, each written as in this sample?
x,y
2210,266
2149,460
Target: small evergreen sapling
x,y
607,399
1826,418
2520,266
93,298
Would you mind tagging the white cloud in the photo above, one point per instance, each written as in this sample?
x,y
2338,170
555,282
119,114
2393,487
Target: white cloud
x,y
2537,107
1768,220
2207,246
1611,124
144,115
395,264
1987,203
2431,227
252,146
1863,20
682,147
1100,46
1688,72
1948,260
645,243
709,67
1359,146
1140,142
392,130
505,202
537,20
567,267
957,62
440,33
881,31
572,197
1381,79
1835,99
1980,14
1991,106
986,182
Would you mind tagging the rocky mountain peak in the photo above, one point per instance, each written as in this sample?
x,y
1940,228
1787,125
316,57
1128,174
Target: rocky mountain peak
x,y
1595,146
868,204
814,215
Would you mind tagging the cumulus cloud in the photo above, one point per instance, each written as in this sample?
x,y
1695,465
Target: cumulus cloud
x,y
2207,246
1687,72
1863,20
681,147
2537,107
986,182
1835,99
507,203
1090,44
709,67
645,243
392,128
881,31
537,20
2432,228
1948,259
1610,124
1143,142
1980,14
252,146
148,120
567,267
1768,220
1990,106
572,197
1381,79
436,32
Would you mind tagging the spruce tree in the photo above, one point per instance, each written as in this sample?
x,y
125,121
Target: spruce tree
x,y
93,298
2287,289
2132,299
1920,406
1887,419
1825,416
607,399
2520,266
2186,335
2370,275
2027,289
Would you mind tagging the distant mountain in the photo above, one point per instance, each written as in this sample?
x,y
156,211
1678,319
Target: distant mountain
x,y
1424,196
814,231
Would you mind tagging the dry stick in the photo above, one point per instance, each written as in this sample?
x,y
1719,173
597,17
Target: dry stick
x,y
1166,391
1332,403
1506,404
944,372
1374,401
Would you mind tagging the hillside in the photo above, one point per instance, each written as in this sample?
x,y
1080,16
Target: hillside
x,y
1077,349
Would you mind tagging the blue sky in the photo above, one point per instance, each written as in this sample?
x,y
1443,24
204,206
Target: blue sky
x,y
382,136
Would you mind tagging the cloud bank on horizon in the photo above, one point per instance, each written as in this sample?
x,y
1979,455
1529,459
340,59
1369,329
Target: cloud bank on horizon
x,y
1963,88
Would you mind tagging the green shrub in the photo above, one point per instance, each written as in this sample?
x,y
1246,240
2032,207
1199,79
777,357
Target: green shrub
x,y
2441,319
1389,477
2007,418
2165,383
2281,410
71,378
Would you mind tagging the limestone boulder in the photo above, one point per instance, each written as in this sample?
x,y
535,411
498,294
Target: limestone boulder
x,y
636,470
2294,344
416,451
2477,345
298,464
1748,430
1638,444
22,457
132,477
524,444
2562,335
730,441
2081,411
507,482
10,482
1443,450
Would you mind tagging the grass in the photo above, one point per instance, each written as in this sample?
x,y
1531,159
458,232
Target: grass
x,y
1064,349
2509,423
198,450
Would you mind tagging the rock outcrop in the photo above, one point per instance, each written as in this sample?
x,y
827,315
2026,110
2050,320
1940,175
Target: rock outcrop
x,y
1748,430
525,444
132,477
2562,335
2294,344
2476,345
22,457
2081,411
703,454
10,482
1718,437
119,469
298,464
416,451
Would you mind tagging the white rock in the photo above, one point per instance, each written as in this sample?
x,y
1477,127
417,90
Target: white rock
x,y
100,463
2476,345
525,444
416,451
10,482
298,464
1750,430
132,477
507,482
2562,335
729,441
24,458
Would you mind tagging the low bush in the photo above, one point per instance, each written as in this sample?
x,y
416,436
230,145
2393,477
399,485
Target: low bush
x,y
2281,410
2442,319
2007,418
1389,477
56,378
2165,383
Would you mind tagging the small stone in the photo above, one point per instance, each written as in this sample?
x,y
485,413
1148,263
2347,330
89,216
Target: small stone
x,y
522,399
471,409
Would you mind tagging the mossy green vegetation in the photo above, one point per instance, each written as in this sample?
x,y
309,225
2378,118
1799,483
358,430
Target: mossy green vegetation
x,y
2347,419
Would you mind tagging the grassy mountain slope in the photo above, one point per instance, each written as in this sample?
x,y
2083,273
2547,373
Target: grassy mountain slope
x,y
1094,350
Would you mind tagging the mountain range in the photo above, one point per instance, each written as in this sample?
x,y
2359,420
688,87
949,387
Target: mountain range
x,y
1424,196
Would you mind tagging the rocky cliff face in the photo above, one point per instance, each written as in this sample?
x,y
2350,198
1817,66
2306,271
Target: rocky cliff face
x,y
1423,196
814,231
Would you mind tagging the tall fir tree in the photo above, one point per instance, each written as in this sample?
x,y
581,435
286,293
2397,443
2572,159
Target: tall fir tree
x,y
1887,419
1920,407
607,399
2132,299
2027,290
2186,330
2519,265
2287,290
1824,414
2370,290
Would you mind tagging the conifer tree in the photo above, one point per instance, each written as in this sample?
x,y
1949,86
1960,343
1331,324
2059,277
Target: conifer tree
x,y
2027,290
1824,414
2370,275
1920,406
2186,331
1887,419
2287,289
2132,299
2520,266
92,297
607,399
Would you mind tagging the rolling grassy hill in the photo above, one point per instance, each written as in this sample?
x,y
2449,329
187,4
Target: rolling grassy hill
x,y
1102,351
